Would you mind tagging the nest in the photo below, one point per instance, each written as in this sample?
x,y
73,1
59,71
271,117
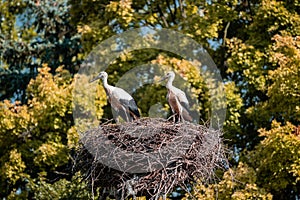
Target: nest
x,y
149,157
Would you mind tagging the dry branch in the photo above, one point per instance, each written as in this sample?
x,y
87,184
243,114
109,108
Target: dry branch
x,y
150,156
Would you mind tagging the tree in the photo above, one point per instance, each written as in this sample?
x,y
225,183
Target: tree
x,y
251,60
34,33
36,137
237,184
102,20
276,160
255,44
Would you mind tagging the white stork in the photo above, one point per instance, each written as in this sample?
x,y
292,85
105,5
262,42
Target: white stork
x,y
177,100
119,100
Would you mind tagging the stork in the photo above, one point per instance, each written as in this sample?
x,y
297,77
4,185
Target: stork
x,y
119,100
177,100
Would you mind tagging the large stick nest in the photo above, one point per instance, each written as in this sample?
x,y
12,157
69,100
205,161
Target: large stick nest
x,y
150,156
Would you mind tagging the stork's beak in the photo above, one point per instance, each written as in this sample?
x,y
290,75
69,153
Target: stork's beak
x,y
163,78
94,79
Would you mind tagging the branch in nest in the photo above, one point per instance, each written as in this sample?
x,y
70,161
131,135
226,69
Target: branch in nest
x,y
150,156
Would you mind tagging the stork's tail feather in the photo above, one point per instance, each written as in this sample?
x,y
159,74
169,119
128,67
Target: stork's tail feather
x,y
134,115
186,115
133,109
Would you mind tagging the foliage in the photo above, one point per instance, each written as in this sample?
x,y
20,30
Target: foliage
x,y
285,90
255,44
276,160
61,189
238,184
34,33
36,138
253,63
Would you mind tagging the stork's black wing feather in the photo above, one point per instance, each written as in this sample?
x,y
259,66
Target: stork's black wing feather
x,y
185,105
123,114
186,113
132,107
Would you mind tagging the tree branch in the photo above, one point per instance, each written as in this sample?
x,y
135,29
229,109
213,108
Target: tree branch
x,y
162,16
181,9
225,33
170,10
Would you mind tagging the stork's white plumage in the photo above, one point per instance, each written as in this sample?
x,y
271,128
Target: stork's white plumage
x,y
119,100
177,99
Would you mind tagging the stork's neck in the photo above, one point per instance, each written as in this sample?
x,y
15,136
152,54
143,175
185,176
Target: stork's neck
x,y
105,84
169,83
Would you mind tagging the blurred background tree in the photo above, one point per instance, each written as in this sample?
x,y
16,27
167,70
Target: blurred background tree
x,y
34,33
254,43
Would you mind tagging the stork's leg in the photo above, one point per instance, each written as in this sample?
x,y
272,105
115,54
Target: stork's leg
x,y
123,114
173,114
128,118
117,119
182,119
132,116
176,118
180,116
116,115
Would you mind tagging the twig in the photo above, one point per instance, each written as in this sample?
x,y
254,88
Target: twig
x,y
179,145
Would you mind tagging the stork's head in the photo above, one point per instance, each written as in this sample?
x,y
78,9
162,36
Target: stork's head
x,y
169,75
102,75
